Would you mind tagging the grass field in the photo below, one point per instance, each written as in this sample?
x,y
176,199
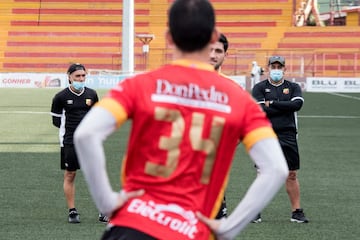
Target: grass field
x,y
33,205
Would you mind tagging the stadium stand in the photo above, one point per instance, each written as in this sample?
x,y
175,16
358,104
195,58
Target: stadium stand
x,y
334,50
47,35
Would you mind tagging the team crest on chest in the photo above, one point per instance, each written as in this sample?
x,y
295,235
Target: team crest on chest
x,y
286,91
88,101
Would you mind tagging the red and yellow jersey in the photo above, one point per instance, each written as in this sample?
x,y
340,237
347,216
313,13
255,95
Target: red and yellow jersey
x,y
186,123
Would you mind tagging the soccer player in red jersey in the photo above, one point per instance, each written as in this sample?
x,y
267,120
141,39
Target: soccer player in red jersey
x,y
186,123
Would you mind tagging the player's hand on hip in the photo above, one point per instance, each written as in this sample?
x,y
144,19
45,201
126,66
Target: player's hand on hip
x,y
213,224
125,196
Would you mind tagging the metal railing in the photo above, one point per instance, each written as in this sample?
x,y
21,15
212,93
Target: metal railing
x,y
299,63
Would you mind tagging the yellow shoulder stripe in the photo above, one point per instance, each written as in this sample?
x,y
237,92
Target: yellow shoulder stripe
x,y
116,109
257,135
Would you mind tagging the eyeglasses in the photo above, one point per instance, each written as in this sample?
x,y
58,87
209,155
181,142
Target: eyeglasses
x,y
80,75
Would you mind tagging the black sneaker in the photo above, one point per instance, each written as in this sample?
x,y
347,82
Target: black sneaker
x,y
257,219
103,218
74,217
298,216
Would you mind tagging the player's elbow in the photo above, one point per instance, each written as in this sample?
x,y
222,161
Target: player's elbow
x,y
297,104
81,135
298,107
277,173
282,170
56,122
270,163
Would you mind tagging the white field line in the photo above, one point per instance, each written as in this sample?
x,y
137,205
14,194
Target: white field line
x,y
320,116
23,112
344,96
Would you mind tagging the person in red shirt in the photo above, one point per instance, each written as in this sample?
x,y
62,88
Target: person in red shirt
x,y
187,121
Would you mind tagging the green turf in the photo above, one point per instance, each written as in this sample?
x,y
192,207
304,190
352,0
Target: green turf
x,y
33,205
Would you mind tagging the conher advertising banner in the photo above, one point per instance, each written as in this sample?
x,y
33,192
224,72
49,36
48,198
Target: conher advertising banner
x,y
32,80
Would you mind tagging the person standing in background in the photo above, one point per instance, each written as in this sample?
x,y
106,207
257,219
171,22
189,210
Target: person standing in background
x,y
187,121
281,100
68,108
218,53
256,72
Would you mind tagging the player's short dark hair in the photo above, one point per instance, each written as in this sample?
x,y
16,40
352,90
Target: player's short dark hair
x,y
74,67
191,24
224,41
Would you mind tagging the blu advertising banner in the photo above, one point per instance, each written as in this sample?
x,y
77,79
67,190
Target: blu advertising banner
x,y
327,84
60,80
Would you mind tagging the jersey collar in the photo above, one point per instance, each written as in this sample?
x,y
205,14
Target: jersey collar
x,y
77,93
276,85
193,64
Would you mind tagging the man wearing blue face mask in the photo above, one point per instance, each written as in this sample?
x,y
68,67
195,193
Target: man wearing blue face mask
x,y
68,108
281,100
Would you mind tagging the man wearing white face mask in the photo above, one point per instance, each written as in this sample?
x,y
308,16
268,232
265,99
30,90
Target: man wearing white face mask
x,y
68,108
281,100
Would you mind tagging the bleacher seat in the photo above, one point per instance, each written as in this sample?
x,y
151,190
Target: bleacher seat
x,y
47,35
